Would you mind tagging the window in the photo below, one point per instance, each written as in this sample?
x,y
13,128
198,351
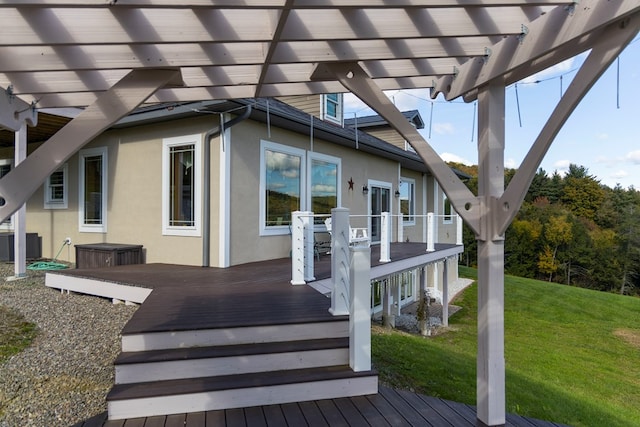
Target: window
x,y
55,189
5,168
332,107
181,181
407,200
446,210
324,179
281,186
93,190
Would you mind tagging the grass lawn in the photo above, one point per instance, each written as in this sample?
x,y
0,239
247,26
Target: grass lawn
x,y
15,333
572,355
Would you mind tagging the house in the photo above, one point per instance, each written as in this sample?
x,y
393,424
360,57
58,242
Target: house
x,y
214,183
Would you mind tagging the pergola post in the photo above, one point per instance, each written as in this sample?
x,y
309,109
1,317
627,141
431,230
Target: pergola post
x,y
490,359
20,216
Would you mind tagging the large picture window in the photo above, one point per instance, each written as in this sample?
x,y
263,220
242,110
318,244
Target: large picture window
x,y
93,190
407,200
55,189
281,185
181,195
324,179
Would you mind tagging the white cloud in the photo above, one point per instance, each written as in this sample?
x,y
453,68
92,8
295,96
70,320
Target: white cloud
x,y
510,163
553,71
634,157
602,136
562,166
444,128
450,157
619,174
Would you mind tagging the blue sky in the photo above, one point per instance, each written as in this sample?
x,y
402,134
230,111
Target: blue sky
x,y
598,135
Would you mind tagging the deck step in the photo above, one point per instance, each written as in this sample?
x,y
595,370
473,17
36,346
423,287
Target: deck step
x,y
236,391
157,365
338,328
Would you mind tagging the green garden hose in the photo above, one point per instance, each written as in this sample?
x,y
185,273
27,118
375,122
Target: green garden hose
x,y
50,265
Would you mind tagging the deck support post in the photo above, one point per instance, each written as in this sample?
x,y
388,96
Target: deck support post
x,y
490,361
385,237
388,319
360,309
445,292
340,256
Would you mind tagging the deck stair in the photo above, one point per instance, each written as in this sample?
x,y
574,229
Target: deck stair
x,y
168,372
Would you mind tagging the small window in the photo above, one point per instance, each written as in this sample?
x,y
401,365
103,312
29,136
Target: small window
x,y
332,108
181,180
407,201
55,189
93,190
281,186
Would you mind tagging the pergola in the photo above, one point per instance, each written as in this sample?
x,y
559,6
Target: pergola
x,y
113,56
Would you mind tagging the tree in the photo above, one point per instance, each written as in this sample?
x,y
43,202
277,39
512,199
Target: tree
x,y
582,193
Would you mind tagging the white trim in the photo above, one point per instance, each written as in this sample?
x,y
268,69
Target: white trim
x,y
424,207
329,159
167,143
82,154
58,204
285,149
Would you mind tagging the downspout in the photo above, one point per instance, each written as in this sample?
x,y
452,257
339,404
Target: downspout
x,y
206,188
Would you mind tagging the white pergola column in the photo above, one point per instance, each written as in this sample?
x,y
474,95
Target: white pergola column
x,y
19,217
490,360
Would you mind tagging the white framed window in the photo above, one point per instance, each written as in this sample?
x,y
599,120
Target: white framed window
x,y
181,185
5,167
93,190
446,210
331,108
55,189
408,200
324,178
282,186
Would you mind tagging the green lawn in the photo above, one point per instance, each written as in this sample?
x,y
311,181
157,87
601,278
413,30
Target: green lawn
x,y
572,355
15,333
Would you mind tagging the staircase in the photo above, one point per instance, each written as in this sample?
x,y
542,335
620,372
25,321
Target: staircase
x,y
162,373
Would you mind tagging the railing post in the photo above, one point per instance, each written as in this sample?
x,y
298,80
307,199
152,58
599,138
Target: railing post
x,y
297,249
360,309
431,232
307,221
400,229
340,258
458,230
385,237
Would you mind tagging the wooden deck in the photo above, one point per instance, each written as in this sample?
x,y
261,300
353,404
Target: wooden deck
x,y
188,298
387,408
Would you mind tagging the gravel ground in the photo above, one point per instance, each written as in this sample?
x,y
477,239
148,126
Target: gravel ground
x,y
64,376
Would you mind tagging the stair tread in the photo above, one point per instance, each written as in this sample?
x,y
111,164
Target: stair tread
x,y
226,382
189,353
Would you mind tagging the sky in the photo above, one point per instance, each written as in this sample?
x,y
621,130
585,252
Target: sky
x,y
602,134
